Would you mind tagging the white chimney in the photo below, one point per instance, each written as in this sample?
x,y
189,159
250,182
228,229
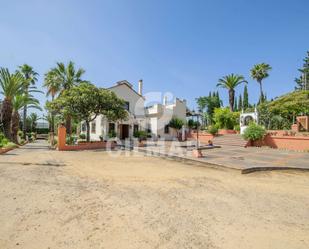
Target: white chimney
x,y
165,100
140,87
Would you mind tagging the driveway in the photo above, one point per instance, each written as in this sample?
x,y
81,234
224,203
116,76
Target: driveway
x,y
96,199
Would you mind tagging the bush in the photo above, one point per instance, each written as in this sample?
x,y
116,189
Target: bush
x,y
237,127
82,136
10,145
213,130
22,141
225,119
112,134
176,123
254,132
20,133
3,140
141,135
71,140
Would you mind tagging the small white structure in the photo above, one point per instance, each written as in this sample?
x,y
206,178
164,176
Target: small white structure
x,y
153,118
246,119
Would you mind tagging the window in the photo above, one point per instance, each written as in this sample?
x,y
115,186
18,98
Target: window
x,y
135,128
166,129
93,126
127,105
111,127
84,127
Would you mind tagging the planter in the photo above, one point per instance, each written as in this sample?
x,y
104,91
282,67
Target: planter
x,y
225,132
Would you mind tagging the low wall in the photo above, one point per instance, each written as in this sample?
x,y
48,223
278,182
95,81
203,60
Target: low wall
x,y
88,146
202,136
298,143
225,132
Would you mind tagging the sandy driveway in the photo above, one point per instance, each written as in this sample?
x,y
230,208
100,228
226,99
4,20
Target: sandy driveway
x,y
101,201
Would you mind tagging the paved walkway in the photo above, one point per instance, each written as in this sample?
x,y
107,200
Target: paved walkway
x,y
245,159
36,153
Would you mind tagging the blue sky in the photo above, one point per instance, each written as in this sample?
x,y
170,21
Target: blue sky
x,y
179,46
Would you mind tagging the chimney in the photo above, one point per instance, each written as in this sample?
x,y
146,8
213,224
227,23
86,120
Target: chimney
x,y
165,100
140,87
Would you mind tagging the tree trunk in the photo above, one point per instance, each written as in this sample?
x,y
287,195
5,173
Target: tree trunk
x,y
52,128
88,131
7,117
24,118
231,99
15,126
68,125
261,91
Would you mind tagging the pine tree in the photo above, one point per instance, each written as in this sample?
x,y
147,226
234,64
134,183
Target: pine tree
x,y
246,98
240,105
302,83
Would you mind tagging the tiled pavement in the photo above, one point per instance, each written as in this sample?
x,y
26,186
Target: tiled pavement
x,y
244,159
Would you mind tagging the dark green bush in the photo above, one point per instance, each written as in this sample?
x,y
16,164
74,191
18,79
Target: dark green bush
x,y
82,136
213,130
254,132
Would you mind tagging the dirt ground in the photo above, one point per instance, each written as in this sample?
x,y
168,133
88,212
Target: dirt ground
x,y
98,200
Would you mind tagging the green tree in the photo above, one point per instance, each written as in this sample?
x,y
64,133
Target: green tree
x,y
19,101
258,73
225,119
246,98
85,102
302,83
68,76
207,104
230,82
30,78
11,85
235,105
240,104
53,84
33,118
176,123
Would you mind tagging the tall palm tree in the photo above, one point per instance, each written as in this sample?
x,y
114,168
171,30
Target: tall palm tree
x,y
68,77
230,82
18,102
53,85
11,85
258,73
30,79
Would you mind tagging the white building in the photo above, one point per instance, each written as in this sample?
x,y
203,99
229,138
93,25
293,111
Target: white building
x,y
153,119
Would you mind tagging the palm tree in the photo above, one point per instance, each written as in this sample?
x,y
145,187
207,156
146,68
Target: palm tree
x,y
30,78
230,82
68,77
18,102
53,85
258,73
11,85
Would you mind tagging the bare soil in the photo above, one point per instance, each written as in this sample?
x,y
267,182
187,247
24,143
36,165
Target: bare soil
x,y
98,200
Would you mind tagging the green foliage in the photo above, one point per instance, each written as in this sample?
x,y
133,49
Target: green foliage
x,y
225,119
230,82
85,102
240,104
207,104
141,135
70,140
246,98
20,133
42,130
258,73
22,141
192,124
3,140
302,83
254,132
112,134
82,136
176,123
10,145
213,130
237,127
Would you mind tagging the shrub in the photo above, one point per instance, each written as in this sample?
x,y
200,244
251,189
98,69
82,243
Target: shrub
x,y
141,135
20,133
71,140
82,136
254,132
10,145
176,123
213,130
22,141
112,134
225,119
237,127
